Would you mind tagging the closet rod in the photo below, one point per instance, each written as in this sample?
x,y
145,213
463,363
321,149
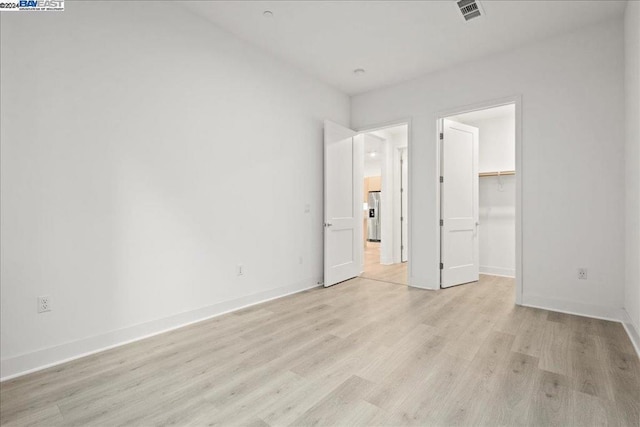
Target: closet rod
x,y
497,173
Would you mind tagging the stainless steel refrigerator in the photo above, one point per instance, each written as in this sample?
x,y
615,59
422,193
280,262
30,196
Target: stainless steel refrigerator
x,y
373,219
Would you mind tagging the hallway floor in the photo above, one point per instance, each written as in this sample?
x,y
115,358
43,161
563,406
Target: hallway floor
x,y
394,273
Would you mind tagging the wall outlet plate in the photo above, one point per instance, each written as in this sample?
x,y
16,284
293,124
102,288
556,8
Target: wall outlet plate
x,y
582,273
44,304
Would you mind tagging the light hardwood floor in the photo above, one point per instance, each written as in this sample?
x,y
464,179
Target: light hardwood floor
x,y
363,352
394,273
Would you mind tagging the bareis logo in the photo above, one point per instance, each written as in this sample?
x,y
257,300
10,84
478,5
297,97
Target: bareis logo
x,y
40,3
31,5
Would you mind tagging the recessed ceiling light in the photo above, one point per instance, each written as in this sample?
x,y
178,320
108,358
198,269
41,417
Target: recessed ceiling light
x,y
359,71
267,14
373,153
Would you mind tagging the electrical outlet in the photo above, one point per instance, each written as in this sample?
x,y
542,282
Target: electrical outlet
x,y
582,273
44,304
240,270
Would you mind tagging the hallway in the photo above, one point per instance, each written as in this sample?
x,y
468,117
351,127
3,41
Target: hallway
x,y
394,273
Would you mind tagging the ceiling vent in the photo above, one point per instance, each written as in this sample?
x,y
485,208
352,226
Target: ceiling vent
x,y
470,9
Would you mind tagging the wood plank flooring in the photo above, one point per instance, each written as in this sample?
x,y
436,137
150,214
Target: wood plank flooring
x,y
394,273
364,352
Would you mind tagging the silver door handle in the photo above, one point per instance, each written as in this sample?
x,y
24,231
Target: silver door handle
x,y
327,224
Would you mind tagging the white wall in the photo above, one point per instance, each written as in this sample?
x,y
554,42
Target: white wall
x,y
573,199
497,144
372,169
632,157
143,151
497,231
497,195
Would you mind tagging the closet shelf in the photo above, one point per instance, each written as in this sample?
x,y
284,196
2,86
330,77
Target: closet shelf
x,y
498,173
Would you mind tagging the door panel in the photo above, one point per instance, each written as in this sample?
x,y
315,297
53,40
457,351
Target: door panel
x,y
459,204
343,170
339,178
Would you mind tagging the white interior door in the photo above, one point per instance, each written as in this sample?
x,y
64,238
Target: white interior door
x,y
343,187
404,205
459,204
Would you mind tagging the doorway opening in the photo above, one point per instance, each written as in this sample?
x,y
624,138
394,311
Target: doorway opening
x,y
478,197
385,204
346,204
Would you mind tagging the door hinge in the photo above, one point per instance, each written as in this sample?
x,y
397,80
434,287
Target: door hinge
x,y
441,266
401,218
402,190
441,136
441,222
442,179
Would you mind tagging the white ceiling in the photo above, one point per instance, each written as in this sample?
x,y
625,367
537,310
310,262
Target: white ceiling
x,y
391,132
373,165
394,40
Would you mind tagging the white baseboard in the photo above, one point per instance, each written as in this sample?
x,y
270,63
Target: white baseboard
x,y
386,261
588,310
498,271
41,359
573,307
633,330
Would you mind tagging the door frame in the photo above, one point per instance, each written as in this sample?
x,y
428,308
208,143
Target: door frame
x,y
385,125
517,101
400,151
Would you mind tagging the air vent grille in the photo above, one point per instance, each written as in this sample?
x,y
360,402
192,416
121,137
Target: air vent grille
x,y
470,9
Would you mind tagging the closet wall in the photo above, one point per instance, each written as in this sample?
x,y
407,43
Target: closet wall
x,y
497,231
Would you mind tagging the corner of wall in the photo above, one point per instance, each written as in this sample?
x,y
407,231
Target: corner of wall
x,y
633,330
573,307
588,310
632,171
